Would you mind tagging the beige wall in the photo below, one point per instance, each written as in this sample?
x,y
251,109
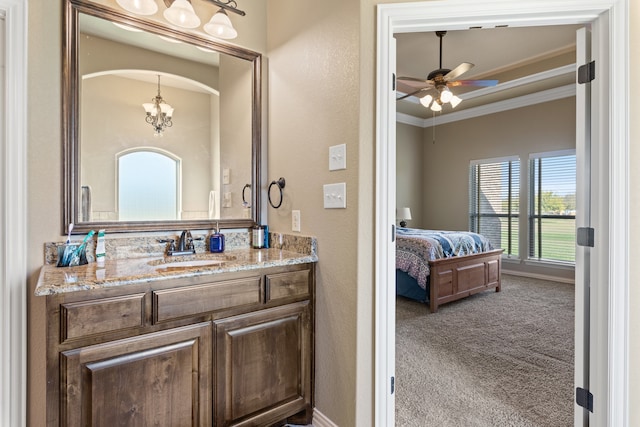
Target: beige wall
x,y
116,123
322,92
410,179
313,104
445,163
520,132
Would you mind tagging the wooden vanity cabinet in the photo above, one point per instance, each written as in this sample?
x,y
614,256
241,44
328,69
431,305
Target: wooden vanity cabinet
x,y
184,352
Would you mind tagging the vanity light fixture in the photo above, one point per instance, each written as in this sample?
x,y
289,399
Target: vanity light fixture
x,y
158,113
182,14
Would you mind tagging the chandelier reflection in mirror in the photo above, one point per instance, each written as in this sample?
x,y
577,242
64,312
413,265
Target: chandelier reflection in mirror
x,y
181,14
158,113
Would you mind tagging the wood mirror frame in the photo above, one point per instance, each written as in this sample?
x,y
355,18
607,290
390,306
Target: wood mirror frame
x,y
70,121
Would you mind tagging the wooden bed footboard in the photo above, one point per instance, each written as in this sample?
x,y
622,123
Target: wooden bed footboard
x,y
454,278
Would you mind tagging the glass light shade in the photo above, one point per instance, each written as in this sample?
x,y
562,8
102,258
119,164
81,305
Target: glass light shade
x,y
181,14
445,95
455,101
426,100
220,26
139,7
166,108
150,108
436,106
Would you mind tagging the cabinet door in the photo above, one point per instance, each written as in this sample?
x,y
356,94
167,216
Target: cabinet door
x,y
157,379
263,363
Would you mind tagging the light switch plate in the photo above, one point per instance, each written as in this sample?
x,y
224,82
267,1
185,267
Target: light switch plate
x,y
335,196
226,176
338,157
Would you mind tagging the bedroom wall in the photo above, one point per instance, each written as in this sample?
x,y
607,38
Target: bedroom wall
x,y
409,180
538,128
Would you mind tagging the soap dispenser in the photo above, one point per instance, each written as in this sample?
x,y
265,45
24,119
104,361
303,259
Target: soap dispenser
x,y
216,241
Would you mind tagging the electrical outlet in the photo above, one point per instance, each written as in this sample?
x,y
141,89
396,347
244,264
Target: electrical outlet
x,y
226,200
295,220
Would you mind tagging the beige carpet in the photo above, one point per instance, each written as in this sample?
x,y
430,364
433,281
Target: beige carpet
x,y
493,359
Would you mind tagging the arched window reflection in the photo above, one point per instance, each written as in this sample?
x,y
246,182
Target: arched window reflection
x,y
148,185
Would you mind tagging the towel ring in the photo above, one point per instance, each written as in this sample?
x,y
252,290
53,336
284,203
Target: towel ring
x,y
244,201
280,183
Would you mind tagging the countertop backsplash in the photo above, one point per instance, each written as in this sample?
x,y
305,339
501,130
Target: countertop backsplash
x,y
150,246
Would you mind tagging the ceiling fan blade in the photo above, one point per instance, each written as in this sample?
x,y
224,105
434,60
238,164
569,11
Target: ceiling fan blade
x,y
412,94
473,83
458,71
413,79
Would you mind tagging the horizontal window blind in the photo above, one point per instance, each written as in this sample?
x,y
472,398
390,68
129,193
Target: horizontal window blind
x,y
552,207
494,202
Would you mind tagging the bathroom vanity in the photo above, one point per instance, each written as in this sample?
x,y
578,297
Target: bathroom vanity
x,y
211,340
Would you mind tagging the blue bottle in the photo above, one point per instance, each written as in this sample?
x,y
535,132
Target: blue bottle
x,y
216,241
265,230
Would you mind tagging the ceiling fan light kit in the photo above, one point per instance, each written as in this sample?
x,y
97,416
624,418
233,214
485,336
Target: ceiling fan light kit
x,y
438,82
182,14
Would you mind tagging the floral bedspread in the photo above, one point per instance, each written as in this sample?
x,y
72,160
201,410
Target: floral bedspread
x,y
415,248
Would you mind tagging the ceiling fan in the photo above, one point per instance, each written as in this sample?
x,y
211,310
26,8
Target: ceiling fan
x,y
435,90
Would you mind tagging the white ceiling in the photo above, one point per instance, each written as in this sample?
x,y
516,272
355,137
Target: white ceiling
x,y
509,54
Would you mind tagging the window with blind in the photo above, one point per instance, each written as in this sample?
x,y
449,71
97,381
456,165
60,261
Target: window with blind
x,y
494,201
552,206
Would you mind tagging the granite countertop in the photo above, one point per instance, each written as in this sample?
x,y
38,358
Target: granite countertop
x,y
117,272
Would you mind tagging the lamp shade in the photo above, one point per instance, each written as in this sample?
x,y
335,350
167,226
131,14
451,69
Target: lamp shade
x,y
150,108
139,7
404,213
220,26
181,14
426,100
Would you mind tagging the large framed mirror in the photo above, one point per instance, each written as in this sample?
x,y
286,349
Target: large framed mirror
x,y
128,169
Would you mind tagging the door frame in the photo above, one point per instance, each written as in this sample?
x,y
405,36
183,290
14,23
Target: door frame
x,y
13,226
612,312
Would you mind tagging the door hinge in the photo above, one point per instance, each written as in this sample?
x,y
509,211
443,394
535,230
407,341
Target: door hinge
x,y
587,72
393,384
584,398
393,232
585,236
393,81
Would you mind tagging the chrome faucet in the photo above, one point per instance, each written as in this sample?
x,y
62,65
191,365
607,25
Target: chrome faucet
x,y
185,245
186,241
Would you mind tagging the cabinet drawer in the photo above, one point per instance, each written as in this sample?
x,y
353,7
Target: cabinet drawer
x,y
287,285
84,318
193,300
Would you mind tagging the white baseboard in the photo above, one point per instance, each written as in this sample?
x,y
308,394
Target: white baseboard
x,y
321,420
538,276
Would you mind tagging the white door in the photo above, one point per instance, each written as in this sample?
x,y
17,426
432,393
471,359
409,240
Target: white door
x,y
595,254
385,246
583,223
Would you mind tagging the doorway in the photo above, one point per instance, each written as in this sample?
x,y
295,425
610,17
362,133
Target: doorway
x,y
609,337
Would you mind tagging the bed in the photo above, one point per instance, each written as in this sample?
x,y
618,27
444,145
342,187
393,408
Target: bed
x,y
443,266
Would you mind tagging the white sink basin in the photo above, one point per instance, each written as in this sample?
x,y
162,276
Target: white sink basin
x,y
191,264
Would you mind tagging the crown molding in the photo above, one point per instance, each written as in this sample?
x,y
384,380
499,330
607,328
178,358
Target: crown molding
x,y
496,107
